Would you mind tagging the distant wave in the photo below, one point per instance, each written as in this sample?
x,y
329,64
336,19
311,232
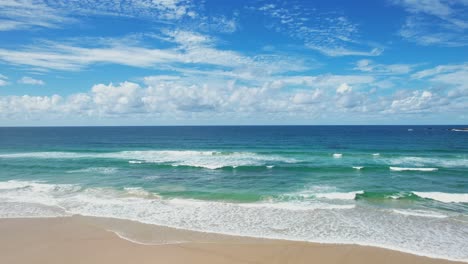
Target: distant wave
x,y
202,159
358,167
412,169
428,161
99,170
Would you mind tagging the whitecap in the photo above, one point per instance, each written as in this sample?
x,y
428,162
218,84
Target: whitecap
x,y
337,155
99,170
202,159
412,169
339,195
358,167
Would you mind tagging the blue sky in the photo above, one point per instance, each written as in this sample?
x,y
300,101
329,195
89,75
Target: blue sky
x,y
212,62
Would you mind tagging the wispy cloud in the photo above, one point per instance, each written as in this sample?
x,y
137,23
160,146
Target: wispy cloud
x,y
370,66
452,75
435,22
332,34
30,81
186,49
24,14
3,80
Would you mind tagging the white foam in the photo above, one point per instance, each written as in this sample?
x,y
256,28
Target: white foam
x,y
99,170
337,155
139,192
412,169
376,154
270,166
320,192
339,195
358,167
135,161
325,221
420,213
444,197
134,240
453,162
202,159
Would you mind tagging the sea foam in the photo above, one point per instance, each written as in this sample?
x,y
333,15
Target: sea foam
x,y
202,159
292,220
444,197
412,169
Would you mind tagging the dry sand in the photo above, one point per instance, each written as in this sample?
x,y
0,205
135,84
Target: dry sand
x,y
87,240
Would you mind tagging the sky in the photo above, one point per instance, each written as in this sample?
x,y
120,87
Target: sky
x,y
223,62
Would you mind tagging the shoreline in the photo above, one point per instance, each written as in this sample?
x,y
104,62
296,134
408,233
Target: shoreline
x,y
64,237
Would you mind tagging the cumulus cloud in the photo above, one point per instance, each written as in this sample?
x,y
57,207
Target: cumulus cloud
x,y
415,102
308,97
178,99
30,81
343,88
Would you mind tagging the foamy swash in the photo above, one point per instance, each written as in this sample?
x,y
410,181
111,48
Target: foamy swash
x,y
310,217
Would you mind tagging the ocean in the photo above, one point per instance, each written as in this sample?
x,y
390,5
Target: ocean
x,y
396,187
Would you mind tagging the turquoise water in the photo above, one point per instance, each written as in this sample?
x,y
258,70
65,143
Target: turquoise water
x,y
396,187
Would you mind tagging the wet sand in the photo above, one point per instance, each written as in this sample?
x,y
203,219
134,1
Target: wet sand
x,y
89,240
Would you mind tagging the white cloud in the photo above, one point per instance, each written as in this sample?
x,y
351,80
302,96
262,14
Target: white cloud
x,y
340,51
455,75
320,81
177,99
307,97
23,14
439,70
372,67
330,33
3,80
435,22
190,54
31,81
343,88
416,102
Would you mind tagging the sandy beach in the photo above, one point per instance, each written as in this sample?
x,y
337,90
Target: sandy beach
x,y
80,239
